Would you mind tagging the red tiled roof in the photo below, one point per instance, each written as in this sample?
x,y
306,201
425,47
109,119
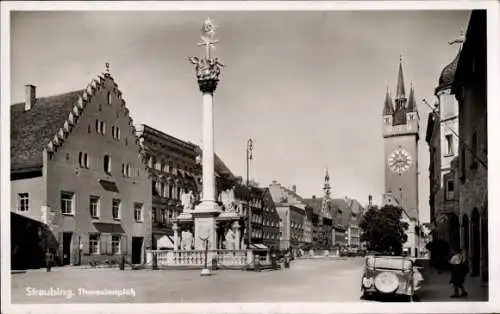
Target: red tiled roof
x,y
32,130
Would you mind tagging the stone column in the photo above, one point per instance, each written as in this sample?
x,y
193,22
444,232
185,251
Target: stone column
x,y
237,235
208,70
176,236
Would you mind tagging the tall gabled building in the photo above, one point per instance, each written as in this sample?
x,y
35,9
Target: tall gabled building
x,y
76,171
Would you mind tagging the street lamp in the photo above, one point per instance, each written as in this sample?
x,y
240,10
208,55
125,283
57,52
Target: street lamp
x,y
249,212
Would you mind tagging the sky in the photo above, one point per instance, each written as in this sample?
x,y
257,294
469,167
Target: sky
x,y
307,87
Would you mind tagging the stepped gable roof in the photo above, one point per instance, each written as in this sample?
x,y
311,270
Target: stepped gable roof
x,y
46,125
32,130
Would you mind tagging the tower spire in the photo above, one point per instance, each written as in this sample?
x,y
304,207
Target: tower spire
x,y
400,89
388,107
412,104
327,187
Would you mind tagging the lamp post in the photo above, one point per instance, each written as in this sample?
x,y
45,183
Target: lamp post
x,y
205,271
249,212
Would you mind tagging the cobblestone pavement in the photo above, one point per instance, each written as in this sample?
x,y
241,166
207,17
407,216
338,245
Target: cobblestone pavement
x,y
308,280
318,280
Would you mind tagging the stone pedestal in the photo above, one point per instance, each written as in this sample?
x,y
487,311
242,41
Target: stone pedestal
x,y
237,235
205,226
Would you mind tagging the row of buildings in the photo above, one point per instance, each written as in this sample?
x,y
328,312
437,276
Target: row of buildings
x,y
87,185
317,222
457,137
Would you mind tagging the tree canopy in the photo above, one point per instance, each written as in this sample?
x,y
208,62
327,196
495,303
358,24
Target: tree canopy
x,y
383,229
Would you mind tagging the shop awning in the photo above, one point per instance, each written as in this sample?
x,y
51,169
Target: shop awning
x,y
105,227
109,186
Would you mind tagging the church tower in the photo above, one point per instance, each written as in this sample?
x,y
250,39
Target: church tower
x,y
401,135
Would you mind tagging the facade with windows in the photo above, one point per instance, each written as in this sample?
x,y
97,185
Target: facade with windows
x,y
469,88
173,168
292,212
443,139
68,157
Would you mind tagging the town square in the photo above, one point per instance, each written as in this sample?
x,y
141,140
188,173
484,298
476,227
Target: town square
x,y
248,156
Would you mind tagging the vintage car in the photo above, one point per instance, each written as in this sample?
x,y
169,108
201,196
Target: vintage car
x,y
390,275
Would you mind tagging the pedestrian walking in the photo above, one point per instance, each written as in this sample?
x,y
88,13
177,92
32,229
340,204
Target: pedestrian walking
x,y
459,268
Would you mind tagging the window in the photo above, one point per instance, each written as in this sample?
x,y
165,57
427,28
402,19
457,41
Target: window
x,y
115,244
127,170
115,207
153,215
155,190
107,164
449,144
163,215
178,192
115,132
97,126
170,191
102,128
450,189
83,159
387,120
67,202
94,243
94,206
109,98
23,203
89,129
138,212
163,189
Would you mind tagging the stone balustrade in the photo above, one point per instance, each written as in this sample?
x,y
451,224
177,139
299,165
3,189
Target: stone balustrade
x,y
196,258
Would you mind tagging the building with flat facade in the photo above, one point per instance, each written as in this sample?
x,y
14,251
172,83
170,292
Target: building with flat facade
x,y
173,169
292,214
469,88
76,169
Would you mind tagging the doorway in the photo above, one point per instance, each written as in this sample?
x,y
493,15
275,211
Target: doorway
x,y
136,249
66,257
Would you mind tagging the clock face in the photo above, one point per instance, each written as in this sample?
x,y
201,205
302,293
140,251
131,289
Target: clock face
x,y
399,161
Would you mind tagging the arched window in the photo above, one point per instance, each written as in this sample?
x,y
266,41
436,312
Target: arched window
x,y
107,164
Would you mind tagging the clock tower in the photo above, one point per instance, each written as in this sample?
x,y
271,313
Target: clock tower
x,y
401,135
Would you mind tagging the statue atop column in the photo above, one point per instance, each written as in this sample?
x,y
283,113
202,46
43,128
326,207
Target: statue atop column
x,y
207,68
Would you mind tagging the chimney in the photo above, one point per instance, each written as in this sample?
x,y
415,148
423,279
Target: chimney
x,y
370,200
294,188
30,97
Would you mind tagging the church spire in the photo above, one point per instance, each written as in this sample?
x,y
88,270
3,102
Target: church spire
x,y
327,187
388,107
412,104
400,89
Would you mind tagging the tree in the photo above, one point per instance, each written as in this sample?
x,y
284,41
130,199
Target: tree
x,y
383,229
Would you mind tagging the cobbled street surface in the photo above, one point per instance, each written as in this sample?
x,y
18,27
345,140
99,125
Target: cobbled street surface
x,y
315,280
